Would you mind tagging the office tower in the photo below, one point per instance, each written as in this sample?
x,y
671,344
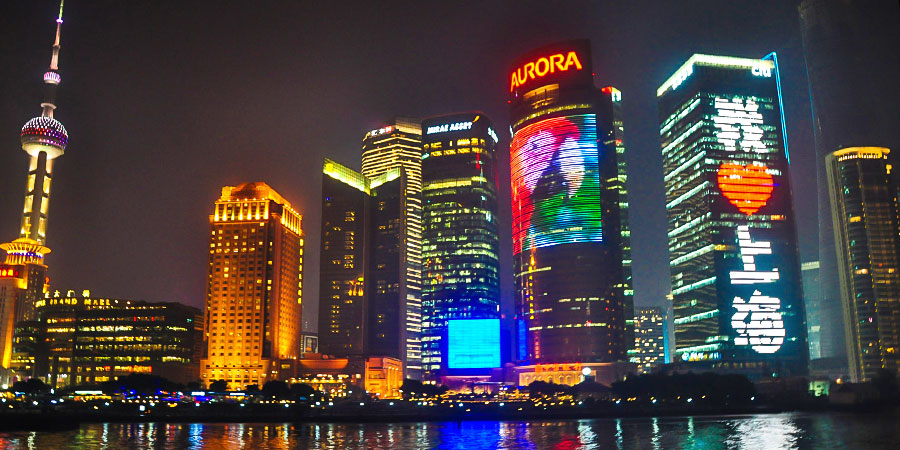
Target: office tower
x,y
399,146
571,247
649,339
736,281
23,276
864,211
460,244
253,307
812,299
363,299
846,45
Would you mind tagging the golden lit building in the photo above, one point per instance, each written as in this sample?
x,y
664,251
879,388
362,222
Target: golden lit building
x,y
253,308
864,213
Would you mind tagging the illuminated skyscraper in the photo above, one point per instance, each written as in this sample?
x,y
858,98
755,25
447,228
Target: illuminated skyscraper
x,y
399,145
736,281
253,308
864,211
649,339
571,241
23,276
460,241
362,299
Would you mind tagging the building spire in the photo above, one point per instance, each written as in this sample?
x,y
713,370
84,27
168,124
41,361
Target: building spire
x,y
54,60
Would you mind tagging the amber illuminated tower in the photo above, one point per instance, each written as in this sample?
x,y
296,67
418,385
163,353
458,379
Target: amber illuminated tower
x,y
864,214
253,307
23,275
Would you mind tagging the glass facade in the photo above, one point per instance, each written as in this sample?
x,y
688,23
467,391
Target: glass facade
x,y
399,146
736,281
460,240
571,240
363,301
864,212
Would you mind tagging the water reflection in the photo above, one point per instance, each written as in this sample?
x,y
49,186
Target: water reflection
x,y
775,431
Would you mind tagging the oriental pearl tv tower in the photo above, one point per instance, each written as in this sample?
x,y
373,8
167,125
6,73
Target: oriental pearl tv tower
x,y
23,276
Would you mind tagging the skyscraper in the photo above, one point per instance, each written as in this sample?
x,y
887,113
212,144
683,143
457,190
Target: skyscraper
x,y
571,242
814,307
363,299
850,84
864,210
649,339
736,279
253,308
460,242
23,276
399,145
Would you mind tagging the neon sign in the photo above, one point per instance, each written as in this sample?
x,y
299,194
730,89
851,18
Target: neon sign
x,y
458,126
543,66
7,273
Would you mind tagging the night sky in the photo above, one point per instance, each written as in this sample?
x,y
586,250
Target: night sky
x,y
166,101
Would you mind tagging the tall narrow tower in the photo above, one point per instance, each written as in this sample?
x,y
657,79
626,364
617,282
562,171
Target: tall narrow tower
x,y
23,274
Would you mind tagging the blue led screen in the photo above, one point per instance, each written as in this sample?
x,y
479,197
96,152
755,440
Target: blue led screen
x,y
473,343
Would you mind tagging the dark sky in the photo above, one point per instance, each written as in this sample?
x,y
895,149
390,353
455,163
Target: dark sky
x,y
167,101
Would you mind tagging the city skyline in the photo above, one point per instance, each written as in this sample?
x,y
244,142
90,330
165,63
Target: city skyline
x,y
193,178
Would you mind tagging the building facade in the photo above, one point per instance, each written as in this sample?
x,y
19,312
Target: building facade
x,y
736,281
254,301
460,242
649,339
840,47
399,146
363,302
812,299
571,241
131,337
864,212
23,276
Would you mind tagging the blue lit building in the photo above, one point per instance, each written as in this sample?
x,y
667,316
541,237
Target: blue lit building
x,y
460,243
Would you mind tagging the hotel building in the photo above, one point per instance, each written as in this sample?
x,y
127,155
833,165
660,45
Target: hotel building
x,y
255,280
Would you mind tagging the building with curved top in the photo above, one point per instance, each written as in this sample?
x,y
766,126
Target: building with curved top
x,y
571,239
460,243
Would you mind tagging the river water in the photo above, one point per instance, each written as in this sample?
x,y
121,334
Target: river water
x,y
767,431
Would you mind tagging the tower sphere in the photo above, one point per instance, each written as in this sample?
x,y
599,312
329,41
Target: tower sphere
x,y
44,134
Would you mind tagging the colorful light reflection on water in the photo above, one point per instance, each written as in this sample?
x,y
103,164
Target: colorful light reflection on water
x,y
772,431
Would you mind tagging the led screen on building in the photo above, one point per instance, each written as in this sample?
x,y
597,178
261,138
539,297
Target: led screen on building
x,y
473,343
556,183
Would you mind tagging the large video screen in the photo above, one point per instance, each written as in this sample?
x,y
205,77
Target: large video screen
x,y
473,343
556,183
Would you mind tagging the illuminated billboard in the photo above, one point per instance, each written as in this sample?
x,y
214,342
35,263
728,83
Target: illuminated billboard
x,y
473,343
757,320
556,183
